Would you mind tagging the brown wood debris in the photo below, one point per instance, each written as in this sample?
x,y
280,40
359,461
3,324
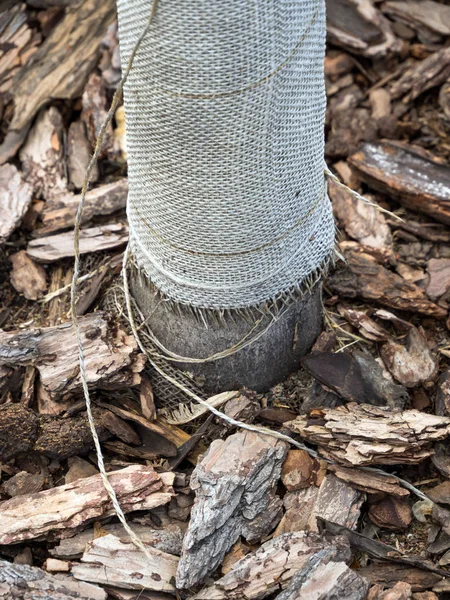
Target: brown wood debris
x,y
427,74
54,247
110,561
431,14
272,566
362,276
34,516
234,484
28,277
15,199
167,539
360,434
359,27
21,582
59,67
111,356
417,180
103,200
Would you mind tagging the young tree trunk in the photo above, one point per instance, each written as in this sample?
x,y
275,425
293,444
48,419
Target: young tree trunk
x,y
230,222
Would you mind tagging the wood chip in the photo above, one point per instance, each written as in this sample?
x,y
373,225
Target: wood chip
x,y
362,276
391,513
110,561
104,200
423,76
232,488
59,68
356,376
79,152
111,356
28,277
360,434
359,27
272,566
78,469
34,516
15,199
298,470
434,15
21,582
417,180
439,282
370,483
362,222
94,239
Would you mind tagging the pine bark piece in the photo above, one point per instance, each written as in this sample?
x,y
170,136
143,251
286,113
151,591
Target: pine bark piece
x,y
168,539
356,377
93,114
371,483
360,434
78,155
391,513
442,400
432,14
42,156
298,470
272,566
111,357
417,180
439,283
234,483
19,429
18,42
334,501
412,362
323,579
15,199
361,276
360,28
104,200
362,222
71,505
94,239
21,582
400,591
59,68
28,277
428,73
110,561
419,579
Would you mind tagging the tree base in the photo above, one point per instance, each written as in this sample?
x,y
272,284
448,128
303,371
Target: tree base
x,y
260,365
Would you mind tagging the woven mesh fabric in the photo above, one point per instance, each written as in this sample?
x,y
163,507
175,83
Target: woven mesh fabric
x,y
225,108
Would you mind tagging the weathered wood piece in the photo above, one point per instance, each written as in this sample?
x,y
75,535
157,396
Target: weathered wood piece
x,y
442,400
371,483
59,68
79,152
108,560
168,539
432,14
18,42
360,28
361,221
104,200
323,579
423,76
93,114
412,362
54,247
439,282
21,582
360,434
418,181
15,199
234,483
334,501
42,156
356,377
362,276
391,513
28,277
111,356
271,567
71,505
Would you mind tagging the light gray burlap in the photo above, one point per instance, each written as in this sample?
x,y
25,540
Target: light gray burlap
x,y
225,109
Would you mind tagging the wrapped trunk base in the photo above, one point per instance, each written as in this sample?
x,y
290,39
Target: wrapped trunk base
x,y
258,366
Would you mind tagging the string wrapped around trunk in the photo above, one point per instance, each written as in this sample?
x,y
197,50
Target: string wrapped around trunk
x,y
225,109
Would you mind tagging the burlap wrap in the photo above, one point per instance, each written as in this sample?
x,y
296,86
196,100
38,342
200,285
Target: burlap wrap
x,y
225,109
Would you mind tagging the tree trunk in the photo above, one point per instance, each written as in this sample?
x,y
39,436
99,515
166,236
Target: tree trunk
x,y
230,222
